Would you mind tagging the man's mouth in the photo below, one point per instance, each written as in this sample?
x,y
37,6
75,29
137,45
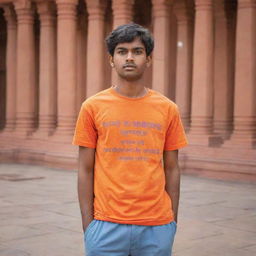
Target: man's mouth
x,y
129,66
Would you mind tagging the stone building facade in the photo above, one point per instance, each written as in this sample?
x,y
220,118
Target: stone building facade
x,y
52,57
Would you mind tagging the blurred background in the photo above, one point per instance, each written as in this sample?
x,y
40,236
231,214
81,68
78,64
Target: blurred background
x,y
53,57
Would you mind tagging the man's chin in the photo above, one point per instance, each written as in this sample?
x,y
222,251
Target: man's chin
x,y
131,77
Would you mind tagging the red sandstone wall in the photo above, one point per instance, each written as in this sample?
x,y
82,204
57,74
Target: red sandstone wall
x,y
53,57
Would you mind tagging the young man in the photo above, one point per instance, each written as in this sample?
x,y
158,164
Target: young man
x,y
128,177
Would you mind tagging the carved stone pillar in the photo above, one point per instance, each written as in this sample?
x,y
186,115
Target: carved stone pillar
x,y
122,14
223,70
161,27
66,67
95,80
81,58
47,69
25,79
202,85
245,77
10,68
184,61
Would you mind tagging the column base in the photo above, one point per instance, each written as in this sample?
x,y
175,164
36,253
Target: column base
x,y
25,126
223,134
186,123
7,132
8,129
62,136
42,134
239,141
205,140
223,129
23,133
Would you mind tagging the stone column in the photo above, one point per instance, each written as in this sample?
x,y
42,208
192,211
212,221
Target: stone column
x,y
184,61
95,80
202,84
81,59
25,78
223,70
47,69
10,68
122,14
161,29
66,68
245,77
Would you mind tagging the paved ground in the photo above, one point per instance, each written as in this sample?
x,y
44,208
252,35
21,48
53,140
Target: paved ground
x,y
40,217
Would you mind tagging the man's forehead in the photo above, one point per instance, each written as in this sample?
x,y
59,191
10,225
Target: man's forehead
x,y
136,43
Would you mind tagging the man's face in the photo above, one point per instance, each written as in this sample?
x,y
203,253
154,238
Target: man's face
x,y
130,60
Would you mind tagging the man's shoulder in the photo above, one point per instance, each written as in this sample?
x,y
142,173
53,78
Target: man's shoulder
x,y
97,98
159,98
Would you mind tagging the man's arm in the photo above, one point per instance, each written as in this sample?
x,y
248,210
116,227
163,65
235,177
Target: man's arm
x,y
85,184
172,177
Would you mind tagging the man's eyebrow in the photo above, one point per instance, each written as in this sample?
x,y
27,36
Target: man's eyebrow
x,y
135,48
121,48
139,48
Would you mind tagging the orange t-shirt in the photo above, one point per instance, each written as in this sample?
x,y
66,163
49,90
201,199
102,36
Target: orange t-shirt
x,y
130,135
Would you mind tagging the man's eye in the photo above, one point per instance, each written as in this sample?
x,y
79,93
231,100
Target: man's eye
x,y
121,52
138,52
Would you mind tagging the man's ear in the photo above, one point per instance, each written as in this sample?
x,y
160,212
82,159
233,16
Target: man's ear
x,y
149,61
111,61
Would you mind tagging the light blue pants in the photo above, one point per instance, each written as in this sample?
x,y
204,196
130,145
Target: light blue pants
x,y
103,238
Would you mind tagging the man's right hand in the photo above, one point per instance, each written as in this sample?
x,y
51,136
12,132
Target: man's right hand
x,y
86,184
86,222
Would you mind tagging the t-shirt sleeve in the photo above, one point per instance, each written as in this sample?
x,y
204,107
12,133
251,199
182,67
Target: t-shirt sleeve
x,y
85,132
175,135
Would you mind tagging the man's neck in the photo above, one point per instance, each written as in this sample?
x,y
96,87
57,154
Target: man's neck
x,y
134,89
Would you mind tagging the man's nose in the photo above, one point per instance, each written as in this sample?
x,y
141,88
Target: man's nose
x,y
129,56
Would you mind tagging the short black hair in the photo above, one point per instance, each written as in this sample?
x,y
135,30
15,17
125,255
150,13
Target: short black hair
x,y
127,33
